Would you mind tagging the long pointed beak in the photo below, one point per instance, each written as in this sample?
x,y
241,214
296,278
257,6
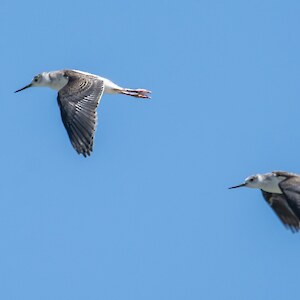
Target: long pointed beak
x,y
25,87
237,186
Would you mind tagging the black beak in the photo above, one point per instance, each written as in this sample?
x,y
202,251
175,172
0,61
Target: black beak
x,y
237,186
25,87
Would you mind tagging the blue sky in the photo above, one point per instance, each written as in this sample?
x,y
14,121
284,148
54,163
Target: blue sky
x,y
149,215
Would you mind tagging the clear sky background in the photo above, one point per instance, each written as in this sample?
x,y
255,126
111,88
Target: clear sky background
x,y
148,215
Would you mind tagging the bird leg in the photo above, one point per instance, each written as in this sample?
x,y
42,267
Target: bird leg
x,y
138,93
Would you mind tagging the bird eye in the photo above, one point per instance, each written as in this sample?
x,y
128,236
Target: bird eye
x,y
251,179
35,79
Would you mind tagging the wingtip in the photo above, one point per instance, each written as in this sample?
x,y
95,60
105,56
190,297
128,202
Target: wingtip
x,y
85,152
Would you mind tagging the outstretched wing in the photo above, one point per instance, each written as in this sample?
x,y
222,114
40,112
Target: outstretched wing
x,y
291,189
78,101
282,209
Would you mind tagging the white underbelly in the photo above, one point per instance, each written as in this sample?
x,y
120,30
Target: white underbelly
x,y
110,87
271,187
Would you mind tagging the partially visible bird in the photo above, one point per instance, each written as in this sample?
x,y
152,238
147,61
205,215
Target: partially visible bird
x,y
79,94
281,190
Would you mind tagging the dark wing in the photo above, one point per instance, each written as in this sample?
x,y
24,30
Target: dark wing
x,y
291,189
78,102
282,209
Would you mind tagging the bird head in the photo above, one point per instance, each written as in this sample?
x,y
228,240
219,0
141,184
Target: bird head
x,y
38,80
253,181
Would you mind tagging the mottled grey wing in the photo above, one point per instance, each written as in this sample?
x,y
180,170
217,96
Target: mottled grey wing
x,y
291,189
78,102
282,210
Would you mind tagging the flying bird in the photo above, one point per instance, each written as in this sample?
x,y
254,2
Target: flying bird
x,y
281,190
79,94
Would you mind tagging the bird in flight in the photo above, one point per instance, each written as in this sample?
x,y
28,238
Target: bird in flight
x,y
281,190
79,94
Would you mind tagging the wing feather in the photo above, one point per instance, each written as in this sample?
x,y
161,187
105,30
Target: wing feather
x,y
282,209
291,189
78,101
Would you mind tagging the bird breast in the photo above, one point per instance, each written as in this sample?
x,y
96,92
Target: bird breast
x,y
57,81
271,185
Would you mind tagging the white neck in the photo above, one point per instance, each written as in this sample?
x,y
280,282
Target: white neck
x,y
56,81
270,184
